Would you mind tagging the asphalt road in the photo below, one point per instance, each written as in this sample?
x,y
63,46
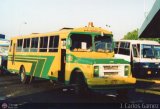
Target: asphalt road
x,y
42,91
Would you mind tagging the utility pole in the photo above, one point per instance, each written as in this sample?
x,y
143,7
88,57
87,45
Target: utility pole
x,y
145,12
21,28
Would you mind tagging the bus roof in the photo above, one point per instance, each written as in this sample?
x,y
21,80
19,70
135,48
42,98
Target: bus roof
x,y
66,30
62,31
91,28
140,42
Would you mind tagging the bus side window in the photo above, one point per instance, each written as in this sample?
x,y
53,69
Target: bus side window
x,y
34,45
26,45
19,45
124,48
43,44
135,54
53,43
138,48
116,47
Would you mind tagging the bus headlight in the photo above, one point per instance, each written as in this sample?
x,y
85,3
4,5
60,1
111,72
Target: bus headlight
x,y
96,71
159,66
126,70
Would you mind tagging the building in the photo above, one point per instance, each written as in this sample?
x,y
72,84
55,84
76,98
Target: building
x,y
151,26
2,36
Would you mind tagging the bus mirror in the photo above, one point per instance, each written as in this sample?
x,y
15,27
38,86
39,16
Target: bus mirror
x,y
84,45
69,44
102,34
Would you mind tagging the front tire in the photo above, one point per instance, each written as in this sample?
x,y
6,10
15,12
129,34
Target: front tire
x,y
80,86
23,77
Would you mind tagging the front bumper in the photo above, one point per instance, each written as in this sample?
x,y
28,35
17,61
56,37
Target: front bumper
x,y
147,72
111,83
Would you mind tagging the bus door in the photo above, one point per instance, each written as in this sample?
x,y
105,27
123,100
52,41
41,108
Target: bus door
x,y
135,59
61,74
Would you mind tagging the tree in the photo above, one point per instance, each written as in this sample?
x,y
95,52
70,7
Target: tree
x,y
133,35
154,39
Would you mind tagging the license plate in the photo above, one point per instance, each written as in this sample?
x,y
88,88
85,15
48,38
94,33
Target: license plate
x,y
111,81
114,81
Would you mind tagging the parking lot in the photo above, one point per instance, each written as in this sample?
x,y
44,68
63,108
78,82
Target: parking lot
x,y
42,91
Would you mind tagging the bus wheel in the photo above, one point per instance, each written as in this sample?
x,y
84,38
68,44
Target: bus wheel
x,y
80,86
23,77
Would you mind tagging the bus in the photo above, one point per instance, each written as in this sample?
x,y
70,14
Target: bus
x,y
143,55
4,46
81,57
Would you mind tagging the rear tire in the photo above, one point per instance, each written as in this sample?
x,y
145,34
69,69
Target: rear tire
x,y
23,77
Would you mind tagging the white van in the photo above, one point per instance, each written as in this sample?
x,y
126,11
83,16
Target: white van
x,y
143,55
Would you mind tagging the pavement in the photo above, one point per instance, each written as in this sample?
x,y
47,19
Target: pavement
x,y
44,92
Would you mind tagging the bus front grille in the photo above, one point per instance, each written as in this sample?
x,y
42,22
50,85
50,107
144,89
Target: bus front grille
x,y
110,67
110,73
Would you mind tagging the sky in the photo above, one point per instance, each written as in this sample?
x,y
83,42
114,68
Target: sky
x,y
21,17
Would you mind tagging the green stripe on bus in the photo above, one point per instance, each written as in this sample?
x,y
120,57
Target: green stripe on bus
x,y
92,61
47,67
41,66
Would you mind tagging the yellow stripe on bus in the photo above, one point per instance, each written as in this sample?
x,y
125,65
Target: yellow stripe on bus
x,y
146,80
148,91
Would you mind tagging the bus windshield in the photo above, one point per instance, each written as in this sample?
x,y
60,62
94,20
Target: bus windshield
x,y
150,51
83,43
157,51
103,43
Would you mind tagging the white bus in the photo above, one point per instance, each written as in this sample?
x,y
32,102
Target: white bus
x,y
143,55
4,45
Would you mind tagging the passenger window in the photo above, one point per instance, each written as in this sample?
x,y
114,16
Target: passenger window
x,y
127,45
116,47
43,44
122,44
34,45
138,48
53,43
124,48
135,54
26,45
19,45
